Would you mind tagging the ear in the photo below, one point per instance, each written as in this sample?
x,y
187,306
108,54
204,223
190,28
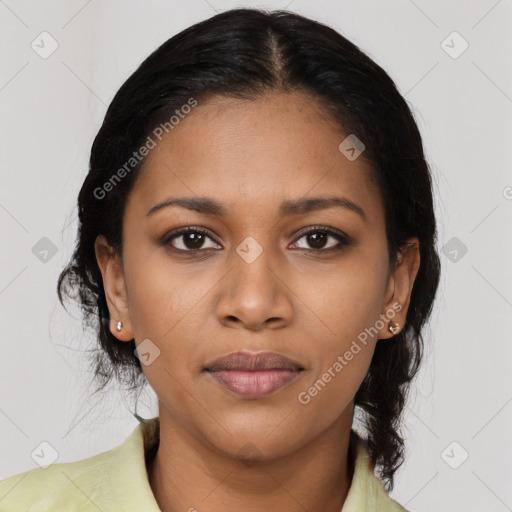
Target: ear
x,y
399,287
115,288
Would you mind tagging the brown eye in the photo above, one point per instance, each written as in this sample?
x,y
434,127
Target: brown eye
x,y
189,239
318,240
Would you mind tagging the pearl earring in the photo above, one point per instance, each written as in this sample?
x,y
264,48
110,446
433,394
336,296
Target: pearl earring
x,y
393,327
119,325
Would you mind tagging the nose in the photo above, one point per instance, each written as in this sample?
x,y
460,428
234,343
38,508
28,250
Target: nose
x,y
255,294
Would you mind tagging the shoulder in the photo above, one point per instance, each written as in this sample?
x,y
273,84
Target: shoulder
x,y
104,481
59,484
366,490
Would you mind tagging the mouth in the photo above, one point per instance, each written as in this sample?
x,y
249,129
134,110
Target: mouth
x,y
254,376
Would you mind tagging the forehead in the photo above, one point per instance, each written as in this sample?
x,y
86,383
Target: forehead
x,y
252,153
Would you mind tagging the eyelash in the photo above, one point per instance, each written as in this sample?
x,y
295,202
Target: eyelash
x,y
343,239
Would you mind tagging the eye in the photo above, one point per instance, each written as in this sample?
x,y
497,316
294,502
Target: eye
x,y
318,236
193,239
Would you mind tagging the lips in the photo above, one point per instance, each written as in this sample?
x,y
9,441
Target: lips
x,y
246,361
253,375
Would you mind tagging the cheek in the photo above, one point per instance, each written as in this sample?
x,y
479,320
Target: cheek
x,y
167,303
347,310
343,300
341,359
160,295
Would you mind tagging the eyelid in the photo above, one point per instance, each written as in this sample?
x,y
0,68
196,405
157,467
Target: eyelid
x,y
319,227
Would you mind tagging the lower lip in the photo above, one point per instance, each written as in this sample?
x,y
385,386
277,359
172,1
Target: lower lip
x,y
254,384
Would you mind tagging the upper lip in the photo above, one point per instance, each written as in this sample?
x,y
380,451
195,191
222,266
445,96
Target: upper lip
x,y
247,361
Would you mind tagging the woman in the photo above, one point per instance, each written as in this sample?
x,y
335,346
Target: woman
x,y
257,240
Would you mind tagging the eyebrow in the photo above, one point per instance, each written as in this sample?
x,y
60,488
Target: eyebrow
x,y
289,208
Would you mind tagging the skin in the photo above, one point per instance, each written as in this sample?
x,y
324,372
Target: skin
x,y
195,307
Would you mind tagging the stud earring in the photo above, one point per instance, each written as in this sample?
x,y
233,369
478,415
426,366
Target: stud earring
x,y
393,327
119,325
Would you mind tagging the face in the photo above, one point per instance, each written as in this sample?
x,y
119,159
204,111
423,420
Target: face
x,y
263,272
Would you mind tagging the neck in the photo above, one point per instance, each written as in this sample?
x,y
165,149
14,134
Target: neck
x,y
187,475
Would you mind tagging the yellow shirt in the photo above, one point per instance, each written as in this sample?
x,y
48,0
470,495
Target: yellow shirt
x,y
116,480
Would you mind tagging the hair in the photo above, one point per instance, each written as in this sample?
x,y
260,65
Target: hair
x,y
245,54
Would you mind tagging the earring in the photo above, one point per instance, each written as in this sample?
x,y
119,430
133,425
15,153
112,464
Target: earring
x,y
393,327
119,325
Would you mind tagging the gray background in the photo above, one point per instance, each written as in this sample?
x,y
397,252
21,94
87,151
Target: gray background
x,y
52,107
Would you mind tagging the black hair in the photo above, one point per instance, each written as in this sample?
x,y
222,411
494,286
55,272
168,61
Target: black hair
x,y
247,53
